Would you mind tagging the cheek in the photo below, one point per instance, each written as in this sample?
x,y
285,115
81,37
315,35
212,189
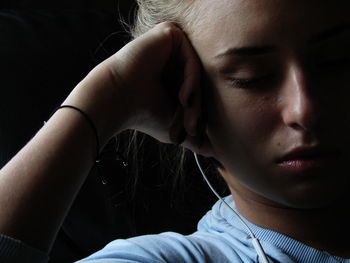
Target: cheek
x,y
241,119
242,135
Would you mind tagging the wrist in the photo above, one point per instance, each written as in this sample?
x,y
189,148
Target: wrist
x,y
100,97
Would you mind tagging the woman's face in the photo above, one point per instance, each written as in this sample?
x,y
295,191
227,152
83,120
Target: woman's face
x,y
277,79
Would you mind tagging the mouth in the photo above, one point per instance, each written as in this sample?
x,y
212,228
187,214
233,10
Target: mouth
x,y
303,159
310,163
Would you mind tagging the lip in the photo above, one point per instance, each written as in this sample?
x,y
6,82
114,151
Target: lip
x,y
306,158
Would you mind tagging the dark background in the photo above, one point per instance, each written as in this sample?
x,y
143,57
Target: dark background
x,y
46,48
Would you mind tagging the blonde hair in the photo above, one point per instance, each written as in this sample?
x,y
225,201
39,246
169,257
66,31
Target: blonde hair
x,y
148,14
152,12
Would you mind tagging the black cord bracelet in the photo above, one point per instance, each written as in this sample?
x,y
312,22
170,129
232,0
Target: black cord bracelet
x,y
90,123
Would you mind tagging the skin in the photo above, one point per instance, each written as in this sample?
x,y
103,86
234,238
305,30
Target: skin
x,y
299,102
245,130
126,91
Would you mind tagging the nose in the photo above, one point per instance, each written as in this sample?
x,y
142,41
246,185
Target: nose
x,y
299,106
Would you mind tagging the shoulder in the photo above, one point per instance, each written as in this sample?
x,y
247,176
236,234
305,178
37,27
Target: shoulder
x,y
167,247
216,241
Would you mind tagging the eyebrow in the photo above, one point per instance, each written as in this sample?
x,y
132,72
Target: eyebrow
x,y
330,33
262,50
247,51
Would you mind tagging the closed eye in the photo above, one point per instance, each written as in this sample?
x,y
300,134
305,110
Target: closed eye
x,y
246,83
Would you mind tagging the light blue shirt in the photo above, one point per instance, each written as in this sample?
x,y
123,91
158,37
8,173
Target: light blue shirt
x,y
220,238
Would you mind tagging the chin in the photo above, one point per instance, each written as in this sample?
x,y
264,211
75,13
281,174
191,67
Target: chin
x,y
310,190
314,198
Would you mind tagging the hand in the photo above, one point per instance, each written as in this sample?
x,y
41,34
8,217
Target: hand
x,y
158,79
137,88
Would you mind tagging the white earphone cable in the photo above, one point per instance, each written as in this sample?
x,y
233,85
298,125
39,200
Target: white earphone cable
x,y
255,241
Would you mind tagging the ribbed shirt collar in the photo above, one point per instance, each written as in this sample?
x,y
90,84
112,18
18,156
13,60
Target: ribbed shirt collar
x,y
296,250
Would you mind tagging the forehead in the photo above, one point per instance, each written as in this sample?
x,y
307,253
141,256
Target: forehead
x,y
221,24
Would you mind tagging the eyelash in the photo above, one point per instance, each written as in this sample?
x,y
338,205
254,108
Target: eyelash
x,y
248,82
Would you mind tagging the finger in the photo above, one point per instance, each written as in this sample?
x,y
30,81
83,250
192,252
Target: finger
x,y
192,71
189,94
177,132
193,121
147,53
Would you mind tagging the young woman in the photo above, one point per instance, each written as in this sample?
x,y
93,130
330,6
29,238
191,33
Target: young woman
x,y
261,86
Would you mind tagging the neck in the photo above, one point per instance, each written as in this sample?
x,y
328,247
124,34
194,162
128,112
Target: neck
x,y
325,229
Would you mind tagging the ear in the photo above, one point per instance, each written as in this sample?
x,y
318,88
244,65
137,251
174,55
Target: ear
x,y
196,140
200,144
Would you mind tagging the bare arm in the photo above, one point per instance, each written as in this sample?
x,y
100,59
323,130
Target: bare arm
x,y
38,186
